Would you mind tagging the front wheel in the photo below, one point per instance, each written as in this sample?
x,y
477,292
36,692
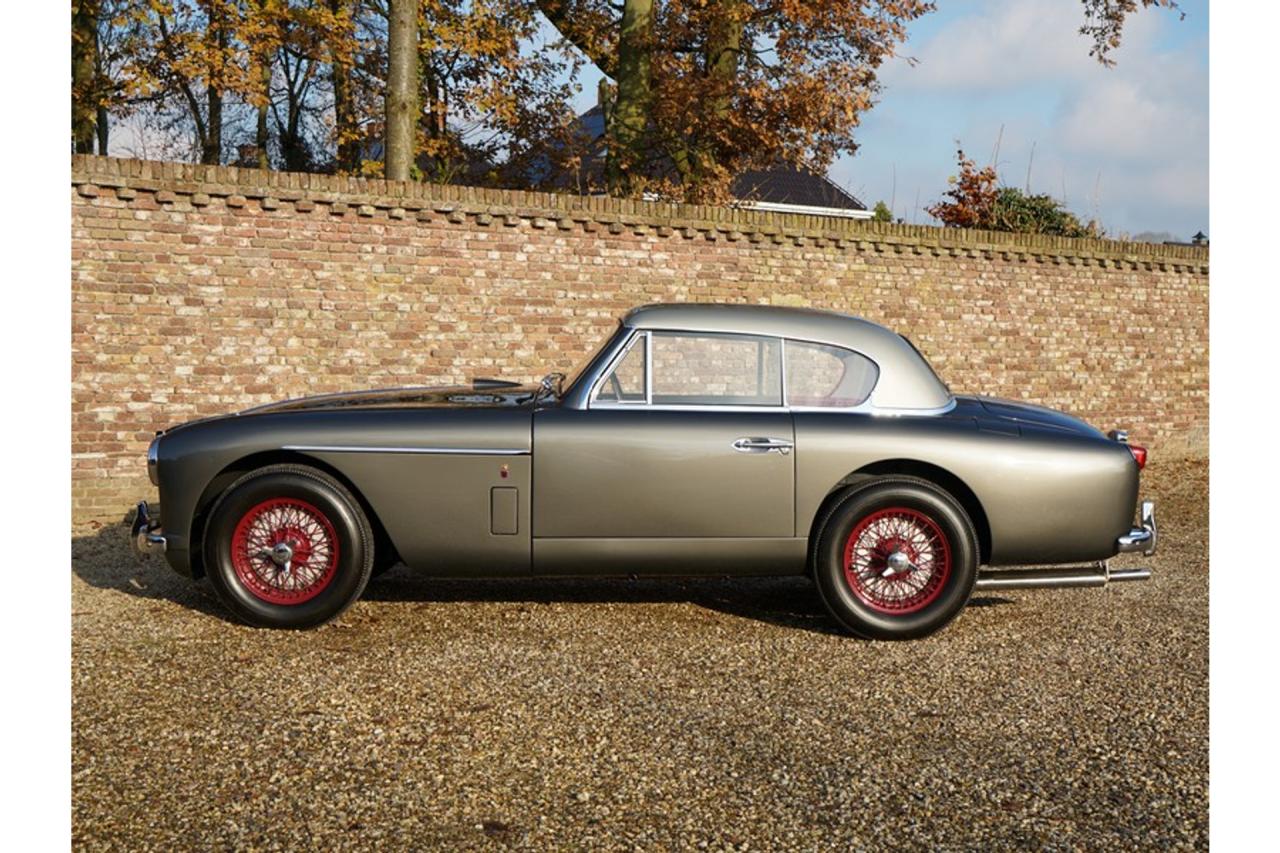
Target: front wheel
x,y
895,560
288,546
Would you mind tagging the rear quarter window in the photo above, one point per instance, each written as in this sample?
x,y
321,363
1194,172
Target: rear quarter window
x,y
825,376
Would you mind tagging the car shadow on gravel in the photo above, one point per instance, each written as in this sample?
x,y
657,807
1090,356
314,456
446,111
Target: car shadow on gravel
x,y
105,560
788,602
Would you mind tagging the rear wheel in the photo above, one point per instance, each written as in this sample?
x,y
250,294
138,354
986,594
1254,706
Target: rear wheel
x,y
288,547
896,559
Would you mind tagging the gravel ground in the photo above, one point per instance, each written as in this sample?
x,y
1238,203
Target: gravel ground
x,y
638,714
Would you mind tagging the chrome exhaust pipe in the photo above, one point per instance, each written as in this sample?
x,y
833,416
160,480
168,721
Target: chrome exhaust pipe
x,y
1057,578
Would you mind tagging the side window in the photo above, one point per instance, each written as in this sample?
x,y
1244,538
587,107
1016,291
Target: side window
x,y
625,384
716,370
822,375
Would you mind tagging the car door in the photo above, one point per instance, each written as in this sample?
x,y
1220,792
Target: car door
x,y
685,440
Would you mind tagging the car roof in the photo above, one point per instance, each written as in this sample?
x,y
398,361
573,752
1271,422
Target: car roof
x,y
907,382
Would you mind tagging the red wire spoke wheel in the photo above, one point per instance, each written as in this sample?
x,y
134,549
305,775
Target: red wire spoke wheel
x,y
897,560
284,551
287,546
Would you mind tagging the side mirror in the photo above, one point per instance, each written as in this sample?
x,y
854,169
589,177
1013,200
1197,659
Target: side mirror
x,y
552,383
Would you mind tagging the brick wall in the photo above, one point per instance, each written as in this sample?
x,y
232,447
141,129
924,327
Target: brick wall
x,y
198,290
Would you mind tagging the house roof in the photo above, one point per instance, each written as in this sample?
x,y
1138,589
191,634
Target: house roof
x,y
787,185
777,185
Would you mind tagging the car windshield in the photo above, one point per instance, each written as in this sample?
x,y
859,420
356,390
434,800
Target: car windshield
x,y
573,378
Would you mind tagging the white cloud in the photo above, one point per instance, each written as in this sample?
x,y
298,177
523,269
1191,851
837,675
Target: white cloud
x,y
1129,143
1002,44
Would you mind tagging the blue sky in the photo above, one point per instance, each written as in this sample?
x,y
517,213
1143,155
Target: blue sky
x,y
1128,146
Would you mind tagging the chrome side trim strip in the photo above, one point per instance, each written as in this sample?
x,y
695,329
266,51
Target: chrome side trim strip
x,y
442,451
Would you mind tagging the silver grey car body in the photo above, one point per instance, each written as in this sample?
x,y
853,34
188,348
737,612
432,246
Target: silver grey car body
x,y
505,481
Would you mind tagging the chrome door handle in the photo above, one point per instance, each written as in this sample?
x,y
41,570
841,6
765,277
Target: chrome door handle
x,y
754,444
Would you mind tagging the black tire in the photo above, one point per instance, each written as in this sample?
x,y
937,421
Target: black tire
x,y
935,513
339,523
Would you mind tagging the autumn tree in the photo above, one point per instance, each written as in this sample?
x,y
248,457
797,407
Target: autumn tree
x,y
707,88
343,51
96,91
976,200
186,59
84,44
493,97
293,43
1105,20
263,31
699,89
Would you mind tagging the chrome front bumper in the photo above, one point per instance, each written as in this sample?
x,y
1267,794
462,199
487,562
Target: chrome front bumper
x,y
1141,539
145,533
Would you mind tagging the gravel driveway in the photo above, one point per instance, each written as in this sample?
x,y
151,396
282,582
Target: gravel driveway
x,y
641,714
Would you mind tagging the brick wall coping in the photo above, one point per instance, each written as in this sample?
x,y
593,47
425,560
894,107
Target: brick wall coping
x,y
199,185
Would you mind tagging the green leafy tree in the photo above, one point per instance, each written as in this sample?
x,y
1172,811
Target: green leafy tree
x,y
1036,214
881,213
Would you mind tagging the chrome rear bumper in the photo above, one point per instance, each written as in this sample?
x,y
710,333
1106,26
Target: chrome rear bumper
x,y
1057,578
145,533
1141,539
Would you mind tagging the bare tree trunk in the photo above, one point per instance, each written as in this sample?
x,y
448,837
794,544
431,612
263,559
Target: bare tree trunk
x,y
343,106
402,79
435,115
724,44
262,133
295,152
84,43
262,138
104,119
211,147
263,57
104,130
628,121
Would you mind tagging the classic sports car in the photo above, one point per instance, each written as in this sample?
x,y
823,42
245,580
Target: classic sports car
x,y
698,439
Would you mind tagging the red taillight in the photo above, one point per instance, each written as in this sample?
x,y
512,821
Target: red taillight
x,y
1139,455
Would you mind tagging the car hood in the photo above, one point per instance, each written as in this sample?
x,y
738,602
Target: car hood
x,y
507,395
1016,413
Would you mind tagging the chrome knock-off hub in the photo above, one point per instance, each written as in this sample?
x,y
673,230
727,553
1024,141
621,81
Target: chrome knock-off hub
x,y
897,563
281,554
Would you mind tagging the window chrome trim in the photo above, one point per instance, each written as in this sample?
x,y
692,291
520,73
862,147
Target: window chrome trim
x,y
866,407
648,368
614,362
440,451
782,345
